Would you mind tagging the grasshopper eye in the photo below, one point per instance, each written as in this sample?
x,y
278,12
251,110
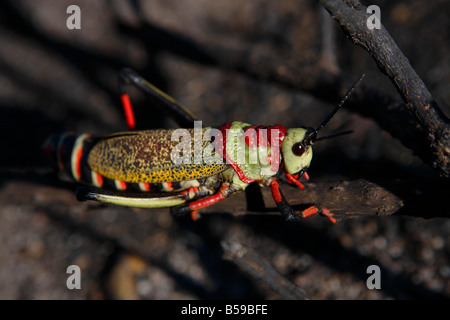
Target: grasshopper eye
x,y
298,149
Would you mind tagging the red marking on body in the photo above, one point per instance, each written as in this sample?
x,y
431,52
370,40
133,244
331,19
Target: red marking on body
x,y
78,162
128,109
261,139
99,179
123,185
221,142
240,173
169,185
146,186
267,139
220,147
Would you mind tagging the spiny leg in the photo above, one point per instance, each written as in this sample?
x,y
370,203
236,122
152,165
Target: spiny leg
x,y
182,115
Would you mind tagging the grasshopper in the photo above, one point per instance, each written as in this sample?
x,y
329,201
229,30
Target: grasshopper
x,y
143,168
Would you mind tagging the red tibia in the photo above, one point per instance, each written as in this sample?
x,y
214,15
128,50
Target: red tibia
x,y
202,203
275,187
305,175
309,211
291,178
128,109
313,210
195,215
327,213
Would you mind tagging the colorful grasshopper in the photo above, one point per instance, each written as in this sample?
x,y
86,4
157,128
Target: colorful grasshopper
x,y
137,168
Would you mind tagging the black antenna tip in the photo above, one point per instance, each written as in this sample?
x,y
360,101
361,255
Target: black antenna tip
x,y
341,103
335,135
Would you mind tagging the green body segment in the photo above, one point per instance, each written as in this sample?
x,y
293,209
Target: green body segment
x,y
147,156
252,160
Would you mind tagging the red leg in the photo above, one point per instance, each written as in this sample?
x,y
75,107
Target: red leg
x,y
195,215
193,207
128,109
286,210
202,203
327,213
293,179
313,210
309,211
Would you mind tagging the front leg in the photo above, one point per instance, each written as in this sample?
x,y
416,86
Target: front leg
x,y
286,210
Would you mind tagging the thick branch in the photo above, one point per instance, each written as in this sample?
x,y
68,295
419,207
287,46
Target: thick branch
x,y
347,199
257,267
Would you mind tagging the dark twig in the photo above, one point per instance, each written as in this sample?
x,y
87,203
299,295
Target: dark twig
x,y
347,199
249,261
434,125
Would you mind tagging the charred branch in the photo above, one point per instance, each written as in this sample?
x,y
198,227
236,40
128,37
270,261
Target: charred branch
x,y
433,127
348,199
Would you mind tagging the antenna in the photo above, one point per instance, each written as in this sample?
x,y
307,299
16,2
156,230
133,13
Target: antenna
x,y
334,135
312,137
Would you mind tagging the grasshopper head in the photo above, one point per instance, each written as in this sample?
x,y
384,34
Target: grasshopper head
x,y
296,149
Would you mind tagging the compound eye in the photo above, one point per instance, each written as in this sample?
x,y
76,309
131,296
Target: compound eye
x,y
298,149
